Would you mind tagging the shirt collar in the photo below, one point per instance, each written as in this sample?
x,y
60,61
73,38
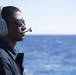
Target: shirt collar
x,y
6,46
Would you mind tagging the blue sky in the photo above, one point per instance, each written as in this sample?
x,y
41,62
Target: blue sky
x,y
47,16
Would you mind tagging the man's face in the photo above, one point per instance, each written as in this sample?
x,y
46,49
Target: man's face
x,y
16,31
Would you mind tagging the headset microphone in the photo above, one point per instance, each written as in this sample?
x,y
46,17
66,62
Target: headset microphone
x,y
28,29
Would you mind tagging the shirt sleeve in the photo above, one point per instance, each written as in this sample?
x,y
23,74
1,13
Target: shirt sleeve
x,y
5,68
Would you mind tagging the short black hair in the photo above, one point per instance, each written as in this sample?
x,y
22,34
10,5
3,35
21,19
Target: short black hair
x,y
8,12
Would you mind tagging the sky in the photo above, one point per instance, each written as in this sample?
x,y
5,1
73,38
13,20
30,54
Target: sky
x,y
47,16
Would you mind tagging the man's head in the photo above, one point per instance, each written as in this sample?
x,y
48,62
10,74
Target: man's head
x,y
15,23
8,12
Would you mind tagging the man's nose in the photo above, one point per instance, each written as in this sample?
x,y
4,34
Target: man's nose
x,y
23,27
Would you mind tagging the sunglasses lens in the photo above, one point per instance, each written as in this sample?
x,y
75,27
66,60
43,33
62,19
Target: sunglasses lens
x,y
20,22
23,22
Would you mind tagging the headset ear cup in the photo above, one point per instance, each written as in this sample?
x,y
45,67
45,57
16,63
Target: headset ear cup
x,y
3,27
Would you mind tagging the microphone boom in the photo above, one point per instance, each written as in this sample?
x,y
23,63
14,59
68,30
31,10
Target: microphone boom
x,y
28,29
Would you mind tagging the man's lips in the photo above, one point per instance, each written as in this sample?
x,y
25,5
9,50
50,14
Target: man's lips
x,y
23,33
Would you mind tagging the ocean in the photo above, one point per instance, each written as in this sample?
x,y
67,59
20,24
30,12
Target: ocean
x,y
49,54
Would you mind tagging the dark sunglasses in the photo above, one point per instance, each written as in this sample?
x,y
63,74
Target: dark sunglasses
x,y
18,22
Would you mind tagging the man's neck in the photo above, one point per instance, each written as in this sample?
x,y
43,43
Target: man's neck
x,y
9,41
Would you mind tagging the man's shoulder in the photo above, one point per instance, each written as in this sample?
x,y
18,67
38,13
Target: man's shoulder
x,y
3,54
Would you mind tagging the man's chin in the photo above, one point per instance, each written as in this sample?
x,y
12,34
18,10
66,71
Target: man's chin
x,y
21,39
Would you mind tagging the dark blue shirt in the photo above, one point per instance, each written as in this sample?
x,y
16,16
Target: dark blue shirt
x,y
10,60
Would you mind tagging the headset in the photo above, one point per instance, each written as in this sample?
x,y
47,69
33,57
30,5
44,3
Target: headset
x,y
3,25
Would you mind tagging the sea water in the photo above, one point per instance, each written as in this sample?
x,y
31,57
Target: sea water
x,y
49,54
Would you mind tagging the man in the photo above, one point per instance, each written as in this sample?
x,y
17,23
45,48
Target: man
x,y
12,30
